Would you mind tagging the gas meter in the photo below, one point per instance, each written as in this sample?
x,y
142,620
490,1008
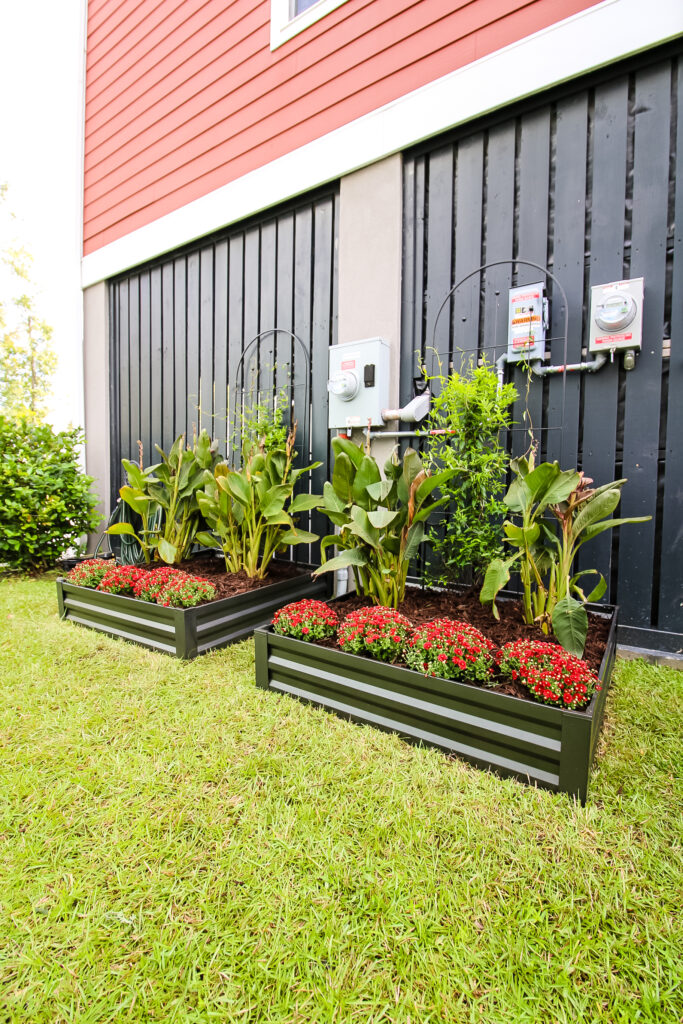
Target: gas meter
x,y
527,323
358,384
616,316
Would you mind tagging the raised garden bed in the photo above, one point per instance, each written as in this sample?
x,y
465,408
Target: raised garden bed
x,y
186,632
548,746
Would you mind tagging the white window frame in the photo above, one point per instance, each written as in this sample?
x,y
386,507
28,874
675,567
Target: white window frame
x,y
284,27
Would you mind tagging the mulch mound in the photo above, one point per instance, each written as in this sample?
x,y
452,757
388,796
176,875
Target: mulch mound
x,y
210,567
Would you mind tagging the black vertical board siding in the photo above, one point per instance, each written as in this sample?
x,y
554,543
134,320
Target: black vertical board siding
x,y
220,345
181,324
167,359
671,568
206,315
499,223
439,246
235,342
122,348
564,391
193,348
134,369
468,225
584,184
268,292
606,232
303,259
323,241
180,344
145,370
532,244
284,304
643,386
252,315
156,365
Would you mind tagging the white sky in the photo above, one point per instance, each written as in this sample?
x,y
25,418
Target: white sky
x,y
41,112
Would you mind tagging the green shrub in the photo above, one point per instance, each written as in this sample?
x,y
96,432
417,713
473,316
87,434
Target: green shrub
x,y
45,500
470,414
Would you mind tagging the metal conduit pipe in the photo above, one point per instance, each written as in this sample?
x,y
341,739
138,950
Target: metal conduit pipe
x,y
541,370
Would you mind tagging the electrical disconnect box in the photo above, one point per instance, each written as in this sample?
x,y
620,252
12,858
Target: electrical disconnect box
x,y
358,383
527,323
616,316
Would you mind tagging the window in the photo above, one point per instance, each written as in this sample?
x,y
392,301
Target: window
x,y
289,17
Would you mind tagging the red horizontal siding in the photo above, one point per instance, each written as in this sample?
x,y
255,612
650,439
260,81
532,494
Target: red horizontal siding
x,y
183,96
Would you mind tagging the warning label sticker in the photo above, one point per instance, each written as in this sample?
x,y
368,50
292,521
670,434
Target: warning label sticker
x,y
613,339
348,364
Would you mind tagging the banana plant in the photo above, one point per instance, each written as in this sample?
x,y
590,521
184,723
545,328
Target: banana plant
x,y
165,498
381,519
251,511
552,596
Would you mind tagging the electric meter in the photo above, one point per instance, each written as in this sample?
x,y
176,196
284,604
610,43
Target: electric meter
x,y
616,316
358,384
527,323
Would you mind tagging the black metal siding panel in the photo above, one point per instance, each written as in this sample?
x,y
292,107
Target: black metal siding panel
x,y
584,181
671,564
652,115
180,326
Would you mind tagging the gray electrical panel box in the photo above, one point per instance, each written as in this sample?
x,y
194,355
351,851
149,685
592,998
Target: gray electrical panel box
x,y
358,383
527,323
616,316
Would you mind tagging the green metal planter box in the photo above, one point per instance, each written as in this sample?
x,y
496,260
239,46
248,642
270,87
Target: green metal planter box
x,y
549,747
183,632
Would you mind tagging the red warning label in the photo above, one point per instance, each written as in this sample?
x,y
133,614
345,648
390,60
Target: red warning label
x,y
613,339
348,364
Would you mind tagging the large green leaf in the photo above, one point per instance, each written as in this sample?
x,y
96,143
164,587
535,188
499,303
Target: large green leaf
x,y
206,539
497,575
382,517
367,473
570,625
380,491
297,537
414,538
238,487
342,477
597,591
135,499
361,527
167,551
304,502
352,556
121,529
136,476
597,507
608,524
520,536
331,500
352,451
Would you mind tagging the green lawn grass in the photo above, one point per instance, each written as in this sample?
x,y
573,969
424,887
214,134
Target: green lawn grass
x,y
178,846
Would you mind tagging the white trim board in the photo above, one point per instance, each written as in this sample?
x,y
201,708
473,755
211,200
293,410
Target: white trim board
x,y
591,39
284,27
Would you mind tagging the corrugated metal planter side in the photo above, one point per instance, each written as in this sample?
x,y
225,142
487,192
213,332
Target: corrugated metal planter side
x,y
550,747
183,632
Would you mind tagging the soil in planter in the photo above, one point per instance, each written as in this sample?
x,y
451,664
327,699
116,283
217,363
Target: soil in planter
x,y
211,568
422,606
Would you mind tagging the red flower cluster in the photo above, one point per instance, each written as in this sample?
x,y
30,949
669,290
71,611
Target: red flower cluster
x,y
551,674
184,591
306,620
149,586
121,579
451,650
89,574
164,585
381,632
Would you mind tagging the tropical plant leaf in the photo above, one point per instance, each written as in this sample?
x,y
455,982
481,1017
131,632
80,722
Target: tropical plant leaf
x,y
352,451
570,625
304,502
342,477
167,551
352,556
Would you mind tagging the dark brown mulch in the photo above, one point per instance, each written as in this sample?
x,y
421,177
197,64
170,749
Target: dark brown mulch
x,y
212,568
422,606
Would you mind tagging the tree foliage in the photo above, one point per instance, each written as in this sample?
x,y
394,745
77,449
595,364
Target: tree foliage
x,y
27,358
